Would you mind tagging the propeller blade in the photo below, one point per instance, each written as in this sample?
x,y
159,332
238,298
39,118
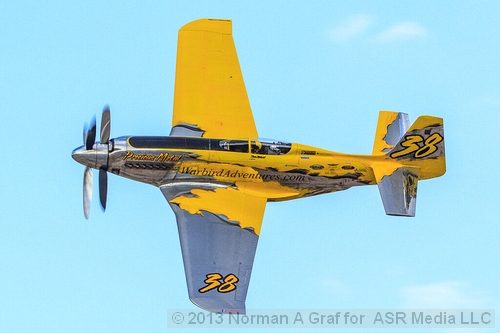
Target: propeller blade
x,y
105,125
87,191
90,137
85,134
103,187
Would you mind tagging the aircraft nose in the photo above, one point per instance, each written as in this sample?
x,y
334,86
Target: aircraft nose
x,y
84,156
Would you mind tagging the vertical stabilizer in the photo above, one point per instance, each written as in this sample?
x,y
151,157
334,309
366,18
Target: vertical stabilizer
x,y
422,147
391,127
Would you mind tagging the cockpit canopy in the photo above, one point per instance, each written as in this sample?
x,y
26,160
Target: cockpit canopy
x,y
252,145
257,146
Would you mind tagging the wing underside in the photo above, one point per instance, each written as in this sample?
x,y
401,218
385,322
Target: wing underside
x,y
210,98
217,251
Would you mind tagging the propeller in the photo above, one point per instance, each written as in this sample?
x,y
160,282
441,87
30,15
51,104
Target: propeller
x,y
103,171
101,150
87,191
89,134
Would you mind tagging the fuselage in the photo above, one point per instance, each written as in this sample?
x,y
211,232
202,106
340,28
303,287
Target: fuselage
x,y
266,168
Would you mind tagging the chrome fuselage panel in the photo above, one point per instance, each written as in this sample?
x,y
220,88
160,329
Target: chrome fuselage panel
x,y
277,171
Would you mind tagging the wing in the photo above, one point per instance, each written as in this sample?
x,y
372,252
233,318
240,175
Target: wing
x,y
210,98
218,229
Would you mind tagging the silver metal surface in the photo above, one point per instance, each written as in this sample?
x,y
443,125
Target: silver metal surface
x,y
105,125
209,244
87,191
399,192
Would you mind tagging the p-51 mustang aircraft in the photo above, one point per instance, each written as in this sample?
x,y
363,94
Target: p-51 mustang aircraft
x,y
217,175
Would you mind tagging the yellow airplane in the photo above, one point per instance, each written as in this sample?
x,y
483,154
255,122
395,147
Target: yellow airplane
x,y
217,175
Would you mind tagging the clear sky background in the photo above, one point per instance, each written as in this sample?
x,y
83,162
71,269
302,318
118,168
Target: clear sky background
x,y
316,72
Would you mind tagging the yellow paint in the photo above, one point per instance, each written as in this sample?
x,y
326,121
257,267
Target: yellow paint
x,y
213,281
411,144
209,88
210,94
382,169
253,180
422,147
237,206
385,119
267,190
160,157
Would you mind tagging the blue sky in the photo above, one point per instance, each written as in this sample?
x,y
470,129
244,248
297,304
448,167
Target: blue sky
x,y
316,72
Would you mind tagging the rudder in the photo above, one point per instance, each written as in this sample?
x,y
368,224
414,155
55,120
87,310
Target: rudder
x,y
422,147
391,126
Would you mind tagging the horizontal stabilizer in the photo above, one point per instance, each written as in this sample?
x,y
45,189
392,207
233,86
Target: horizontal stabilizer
x,y
399,192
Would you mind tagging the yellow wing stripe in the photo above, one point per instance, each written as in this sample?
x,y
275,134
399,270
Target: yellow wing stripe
x,y
236,206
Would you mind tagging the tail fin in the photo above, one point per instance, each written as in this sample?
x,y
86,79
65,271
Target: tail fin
x,y
391,127
422,147
418,154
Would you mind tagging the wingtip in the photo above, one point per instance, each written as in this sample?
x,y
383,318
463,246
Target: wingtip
x,y
222,26
219,305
